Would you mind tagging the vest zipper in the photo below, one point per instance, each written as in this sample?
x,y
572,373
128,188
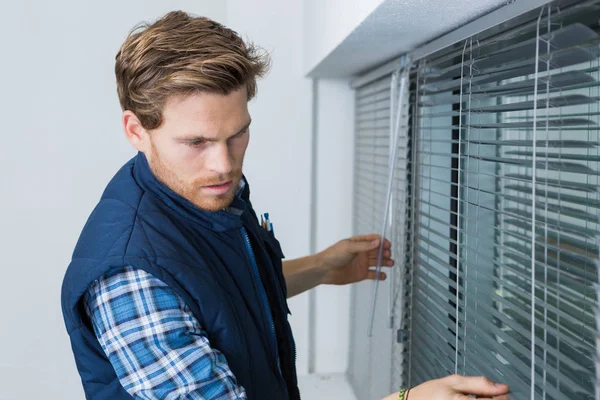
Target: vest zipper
x,y
263,296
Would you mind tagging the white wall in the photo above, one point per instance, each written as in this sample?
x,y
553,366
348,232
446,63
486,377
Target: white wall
x,y
335,160
328,22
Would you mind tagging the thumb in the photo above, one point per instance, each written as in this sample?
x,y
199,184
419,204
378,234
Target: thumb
x,y
361,244
478,385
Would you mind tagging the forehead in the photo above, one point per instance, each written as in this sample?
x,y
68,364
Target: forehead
x,y
207,113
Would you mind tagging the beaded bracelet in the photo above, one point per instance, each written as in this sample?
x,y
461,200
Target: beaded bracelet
x,y
403,394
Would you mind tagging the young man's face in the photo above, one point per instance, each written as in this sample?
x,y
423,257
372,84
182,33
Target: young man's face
x,y
199,149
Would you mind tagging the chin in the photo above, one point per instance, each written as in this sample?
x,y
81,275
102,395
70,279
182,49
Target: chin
x,y
214,204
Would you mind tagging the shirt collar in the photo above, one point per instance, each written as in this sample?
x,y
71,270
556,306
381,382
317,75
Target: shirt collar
x,y
236,210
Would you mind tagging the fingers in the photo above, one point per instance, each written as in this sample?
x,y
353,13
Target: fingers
x,y
386,262
374,253
369,238
477,385
355,247
361,244
465,397
362,238
366,243
372,275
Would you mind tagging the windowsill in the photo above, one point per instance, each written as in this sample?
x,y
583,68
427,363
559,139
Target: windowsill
x,y
325,387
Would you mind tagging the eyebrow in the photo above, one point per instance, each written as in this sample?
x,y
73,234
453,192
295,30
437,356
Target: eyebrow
x,y
199,138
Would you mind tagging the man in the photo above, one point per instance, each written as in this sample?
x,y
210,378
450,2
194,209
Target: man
x,y
175,290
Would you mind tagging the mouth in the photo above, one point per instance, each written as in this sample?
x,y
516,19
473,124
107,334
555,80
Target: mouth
x,y
219,189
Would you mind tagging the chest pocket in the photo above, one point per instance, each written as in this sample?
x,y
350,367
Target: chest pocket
x,y
276,255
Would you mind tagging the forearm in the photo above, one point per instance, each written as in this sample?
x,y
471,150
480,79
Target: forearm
x,y
303,274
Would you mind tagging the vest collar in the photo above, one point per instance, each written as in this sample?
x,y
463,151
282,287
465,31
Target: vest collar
x,y
217,221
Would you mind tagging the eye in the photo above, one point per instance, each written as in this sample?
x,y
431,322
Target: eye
x,y
196,143
242,133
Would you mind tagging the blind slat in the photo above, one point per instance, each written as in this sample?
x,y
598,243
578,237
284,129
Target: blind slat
x,y
562,38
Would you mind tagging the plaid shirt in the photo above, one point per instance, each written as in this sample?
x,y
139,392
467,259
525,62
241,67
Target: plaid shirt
x,y
156,346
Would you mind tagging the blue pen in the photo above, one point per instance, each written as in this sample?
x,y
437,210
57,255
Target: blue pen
x,y
269,224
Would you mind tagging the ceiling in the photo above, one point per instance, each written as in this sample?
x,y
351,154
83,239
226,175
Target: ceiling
x,y
396,27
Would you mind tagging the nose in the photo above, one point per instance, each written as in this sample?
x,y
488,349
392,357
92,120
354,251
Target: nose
x,y
219,160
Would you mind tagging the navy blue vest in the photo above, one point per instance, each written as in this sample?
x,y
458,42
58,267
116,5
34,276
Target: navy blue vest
x,y
215,261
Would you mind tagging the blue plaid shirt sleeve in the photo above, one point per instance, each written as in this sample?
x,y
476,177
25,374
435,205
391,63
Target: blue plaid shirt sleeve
x,y
153,341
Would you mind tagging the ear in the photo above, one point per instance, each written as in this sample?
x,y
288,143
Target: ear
x,y
135,132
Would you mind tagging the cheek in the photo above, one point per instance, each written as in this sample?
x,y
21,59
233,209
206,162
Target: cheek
x,y
192,162
182,160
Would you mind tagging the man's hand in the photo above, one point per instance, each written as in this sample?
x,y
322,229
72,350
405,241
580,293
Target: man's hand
x,y
457,387
345,262
350,260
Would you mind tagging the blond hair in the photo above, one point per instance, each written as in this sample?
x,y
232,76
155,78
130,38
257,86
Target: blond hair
x,y
179,55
